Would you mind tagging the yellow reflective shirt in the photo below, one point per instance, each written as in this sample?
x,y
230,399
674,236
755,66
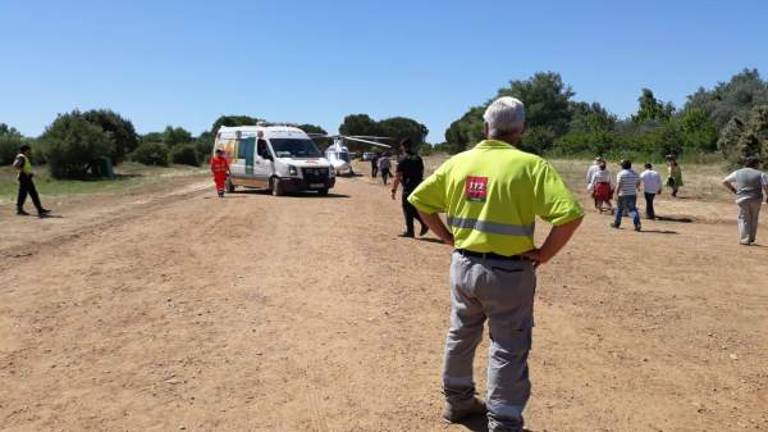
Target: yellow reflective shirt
x,y
492,195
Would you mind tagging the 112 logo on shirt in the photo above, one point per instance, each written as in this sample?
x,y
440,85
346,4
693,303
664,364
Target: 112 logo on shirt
x,y
476,188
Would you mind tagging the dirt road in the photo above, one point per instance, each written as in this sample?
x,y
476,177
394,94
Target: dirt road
x,y
254,313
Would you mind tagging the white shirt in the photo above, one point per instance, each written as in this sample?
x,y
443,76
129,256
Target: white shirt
x,y
651,181
601,176
591,172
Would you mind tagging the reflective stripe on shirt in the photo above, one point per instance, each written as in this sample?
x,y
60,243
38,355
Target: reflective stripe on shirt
x,y
491,227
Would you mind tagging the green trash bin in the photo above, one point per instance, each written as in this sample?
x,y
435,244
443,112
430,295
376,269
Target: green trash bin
x,y
102,168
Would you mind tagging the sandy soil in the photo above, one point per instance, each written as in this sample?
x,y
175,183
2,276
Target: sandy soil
x,y
180,311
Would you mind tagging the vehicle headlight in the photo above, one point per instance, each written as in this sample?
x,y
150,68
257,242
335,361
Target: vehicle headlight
x,y
331,171
292,171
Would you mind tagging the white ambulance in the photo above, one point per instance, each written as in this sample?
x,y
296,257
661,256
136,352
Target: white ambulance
x,y
279,158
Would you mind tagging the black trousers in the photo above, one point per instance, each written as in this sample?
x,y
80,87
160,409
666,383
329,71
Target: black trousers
x,y
374,170
27,187
410,213
649,210
385,175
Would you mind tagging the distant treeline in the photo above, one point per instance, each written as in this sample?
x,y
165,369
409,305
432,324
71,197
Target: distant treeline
x,y
70,145
729,120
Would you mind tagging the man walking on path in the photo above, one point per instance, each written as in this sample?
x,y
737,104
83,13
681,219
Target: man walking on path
x,y
626,191
651,187
23,164
409,172
491,196
375,164
220,170
748,184
385,165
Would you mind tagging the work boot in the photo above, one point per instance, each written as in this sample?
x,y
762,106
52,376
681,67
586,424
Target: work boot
x,y
43,211
424,230
21,212
455,412
406,234
638,228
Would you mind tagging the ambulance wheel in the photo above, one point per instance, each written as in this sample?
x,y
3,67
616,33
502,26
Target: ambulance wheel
x,y
277,187
323,192
230,186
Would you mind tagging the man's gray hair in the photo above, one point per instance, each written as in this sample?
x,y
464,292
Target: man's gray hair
x,y
505,115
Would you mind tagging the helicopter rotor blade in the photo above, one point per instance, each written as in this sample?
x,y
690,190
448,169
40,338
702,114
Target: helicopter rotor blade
x,y
373,143
370,137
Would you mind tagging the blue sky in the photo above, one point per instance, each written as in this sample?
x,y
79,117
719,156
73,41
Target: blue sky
x,y
187,62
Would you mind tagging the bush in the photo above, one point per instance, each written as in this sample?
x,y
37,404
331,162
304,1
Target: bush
x,y
151,153
185,155
9,147
71,143
120,129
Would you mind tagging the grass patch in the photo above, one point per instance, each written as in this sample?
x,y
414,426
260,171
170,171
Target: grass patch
x,y
129,175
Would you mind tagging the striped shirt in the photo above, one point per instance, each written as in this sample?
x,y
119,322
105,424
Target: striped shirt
x,y
627,182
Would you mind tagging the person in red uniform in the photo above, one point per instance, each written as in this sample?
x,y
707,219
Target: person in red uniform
x,y
220,170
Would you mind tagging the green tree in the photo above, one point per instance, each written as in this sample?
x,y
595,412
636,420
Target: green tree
x,y
651,108
546,98
175,136
466,131
204,145
399,128
548,115
233,120
359,124
312,129
10,141
734,98
120,129
586,117
72,143
742,139
185,154
699,133
151,153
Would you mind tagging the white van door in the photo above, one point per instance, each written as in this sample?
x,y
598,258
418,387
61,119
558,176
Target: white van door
x,y
263,165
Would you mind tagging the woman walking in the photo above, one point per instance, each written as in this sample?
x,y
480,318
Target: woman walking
x,y
675,175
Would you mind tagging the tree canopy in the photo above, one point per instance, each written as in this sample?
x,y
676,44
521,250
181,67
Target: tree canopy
x,y
396,128
119,128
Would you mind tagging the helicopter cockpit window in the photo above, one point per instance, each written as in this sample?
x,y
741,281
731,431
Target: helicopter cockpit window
x,y
294,148
344,155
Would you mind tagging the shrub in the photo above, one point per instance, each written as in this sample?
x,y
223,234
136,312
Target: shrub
x,y
185,155
120,129
151,153
71,143
9,147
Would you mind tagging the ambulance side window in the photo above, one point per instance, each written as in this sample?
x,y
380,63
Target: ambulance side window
x,y
263,150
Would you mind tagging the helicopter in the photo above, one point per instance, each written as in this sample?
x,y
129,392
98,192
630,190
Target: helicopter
x,y
338,153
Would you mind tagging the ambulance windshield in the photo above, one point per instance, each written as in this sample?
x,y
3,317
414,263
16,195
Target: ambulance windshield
x,y
294,148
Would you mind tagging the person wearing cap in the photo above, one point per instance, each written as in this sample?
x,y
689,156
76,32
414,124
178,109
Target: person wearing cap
x,y
409,173
23,165
491,195
220,171
748,184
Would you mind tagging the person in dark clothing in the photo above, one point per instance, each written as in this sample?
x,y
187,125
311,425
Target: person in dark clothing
x,y
26,186
375,164
409,173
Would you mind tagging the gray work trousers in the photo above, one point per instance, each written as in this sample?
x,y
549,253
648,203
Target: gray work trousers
x,y
749,211
502,292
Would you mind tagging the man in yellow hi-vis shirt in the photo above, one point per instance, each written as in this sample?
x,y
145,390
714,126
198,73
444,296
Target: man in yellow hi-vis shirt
x,y
491,195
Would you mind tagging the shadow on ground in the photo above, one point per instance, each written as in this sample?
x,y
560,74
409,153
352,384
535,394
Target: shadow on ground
x,y
681,219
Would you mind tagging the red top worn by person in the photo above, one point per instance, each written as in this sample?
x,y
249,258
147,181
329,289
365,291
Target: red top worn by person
x,y
220,170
